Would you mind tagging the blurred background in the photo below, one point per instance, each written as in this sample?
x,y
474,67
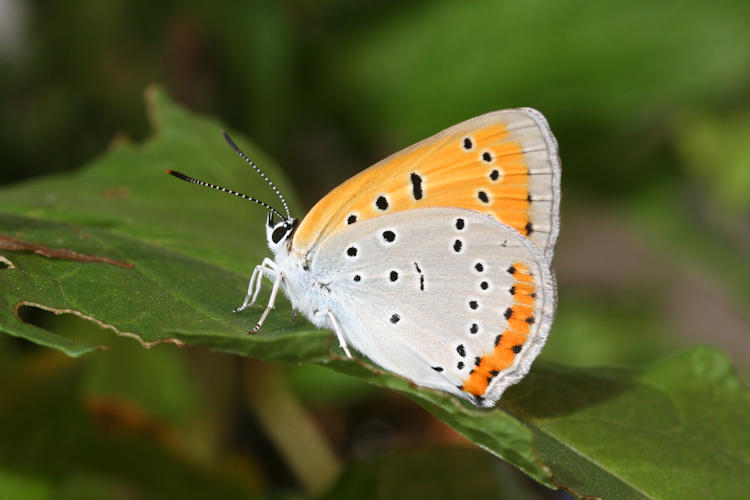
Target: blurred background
x,y
650,103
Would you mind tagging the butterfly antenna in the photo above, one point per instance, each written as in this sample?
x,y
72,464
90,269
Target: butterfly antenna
x,y
257,169
186,178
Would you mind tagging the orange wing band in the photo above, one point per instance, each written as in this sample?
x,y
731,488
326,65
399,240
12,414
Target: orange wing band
x,y
520,317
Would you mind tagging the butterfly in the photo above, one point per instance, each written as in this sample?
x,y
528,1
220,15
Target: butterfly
x,y
435,262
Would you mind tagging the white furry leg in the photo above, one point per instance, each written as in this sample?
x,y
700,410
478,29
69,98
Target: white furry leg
x,y
279,277
336,330
256,280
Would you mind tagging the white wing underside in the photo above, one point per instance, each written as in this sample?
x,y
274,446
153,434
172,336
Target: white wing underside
x,y
413,322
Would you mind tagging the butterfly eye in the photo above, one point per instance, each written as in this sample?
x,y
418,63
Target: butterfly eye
x,y
279,233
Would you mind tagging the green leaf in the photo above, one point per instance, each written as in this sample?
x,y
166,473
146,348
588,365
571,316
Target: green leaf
x,y
177,261
429,473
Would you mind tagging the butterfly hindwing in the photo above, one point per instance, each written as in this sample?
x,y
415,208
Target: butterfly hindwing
x,y
504,164
447,297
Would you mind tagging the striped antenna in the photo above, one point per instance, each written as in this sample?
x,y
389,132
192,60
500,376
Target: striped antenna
x,y
214,186
255,167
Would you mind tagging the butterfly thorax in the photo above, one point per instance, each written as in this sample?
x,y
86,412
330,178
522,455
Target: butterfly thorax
x,y
308,291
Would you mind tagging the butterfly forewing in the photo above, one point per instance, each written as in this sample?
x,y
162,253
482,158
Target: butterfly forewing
x,y
504,164
448,297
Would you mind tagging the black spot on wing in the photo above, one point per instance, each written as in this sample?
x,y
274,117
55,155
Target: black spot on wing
x,y
416,186
421,277
382,203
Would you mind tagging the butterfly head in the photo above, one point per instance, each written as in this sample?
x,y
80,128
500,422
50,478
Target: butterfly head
x,y
279,232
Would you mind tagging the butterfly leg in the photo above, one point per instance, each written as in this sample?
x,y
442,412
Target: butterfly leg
x,y
248,302
336,330
278,278
256,280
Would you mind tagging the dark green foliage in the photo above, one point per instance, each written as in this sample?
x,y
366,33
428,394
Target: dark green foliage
x,y
595,431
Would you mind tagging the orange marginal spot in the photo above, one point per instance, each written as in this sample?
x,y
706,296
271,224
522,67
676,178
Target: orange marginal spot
x,y
477,382
519,325
491,364
524,277
522,273
521,267
524,288
509,340
522,311
502,357
523,298
499,359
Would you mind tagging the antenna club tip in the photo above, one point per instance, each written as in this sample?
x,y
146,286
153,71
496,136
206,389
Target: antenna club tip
x,y
179,175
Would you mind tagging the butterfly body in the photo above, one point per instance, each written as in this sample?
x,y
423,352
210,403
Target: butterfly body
x,y
308,290
435,262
